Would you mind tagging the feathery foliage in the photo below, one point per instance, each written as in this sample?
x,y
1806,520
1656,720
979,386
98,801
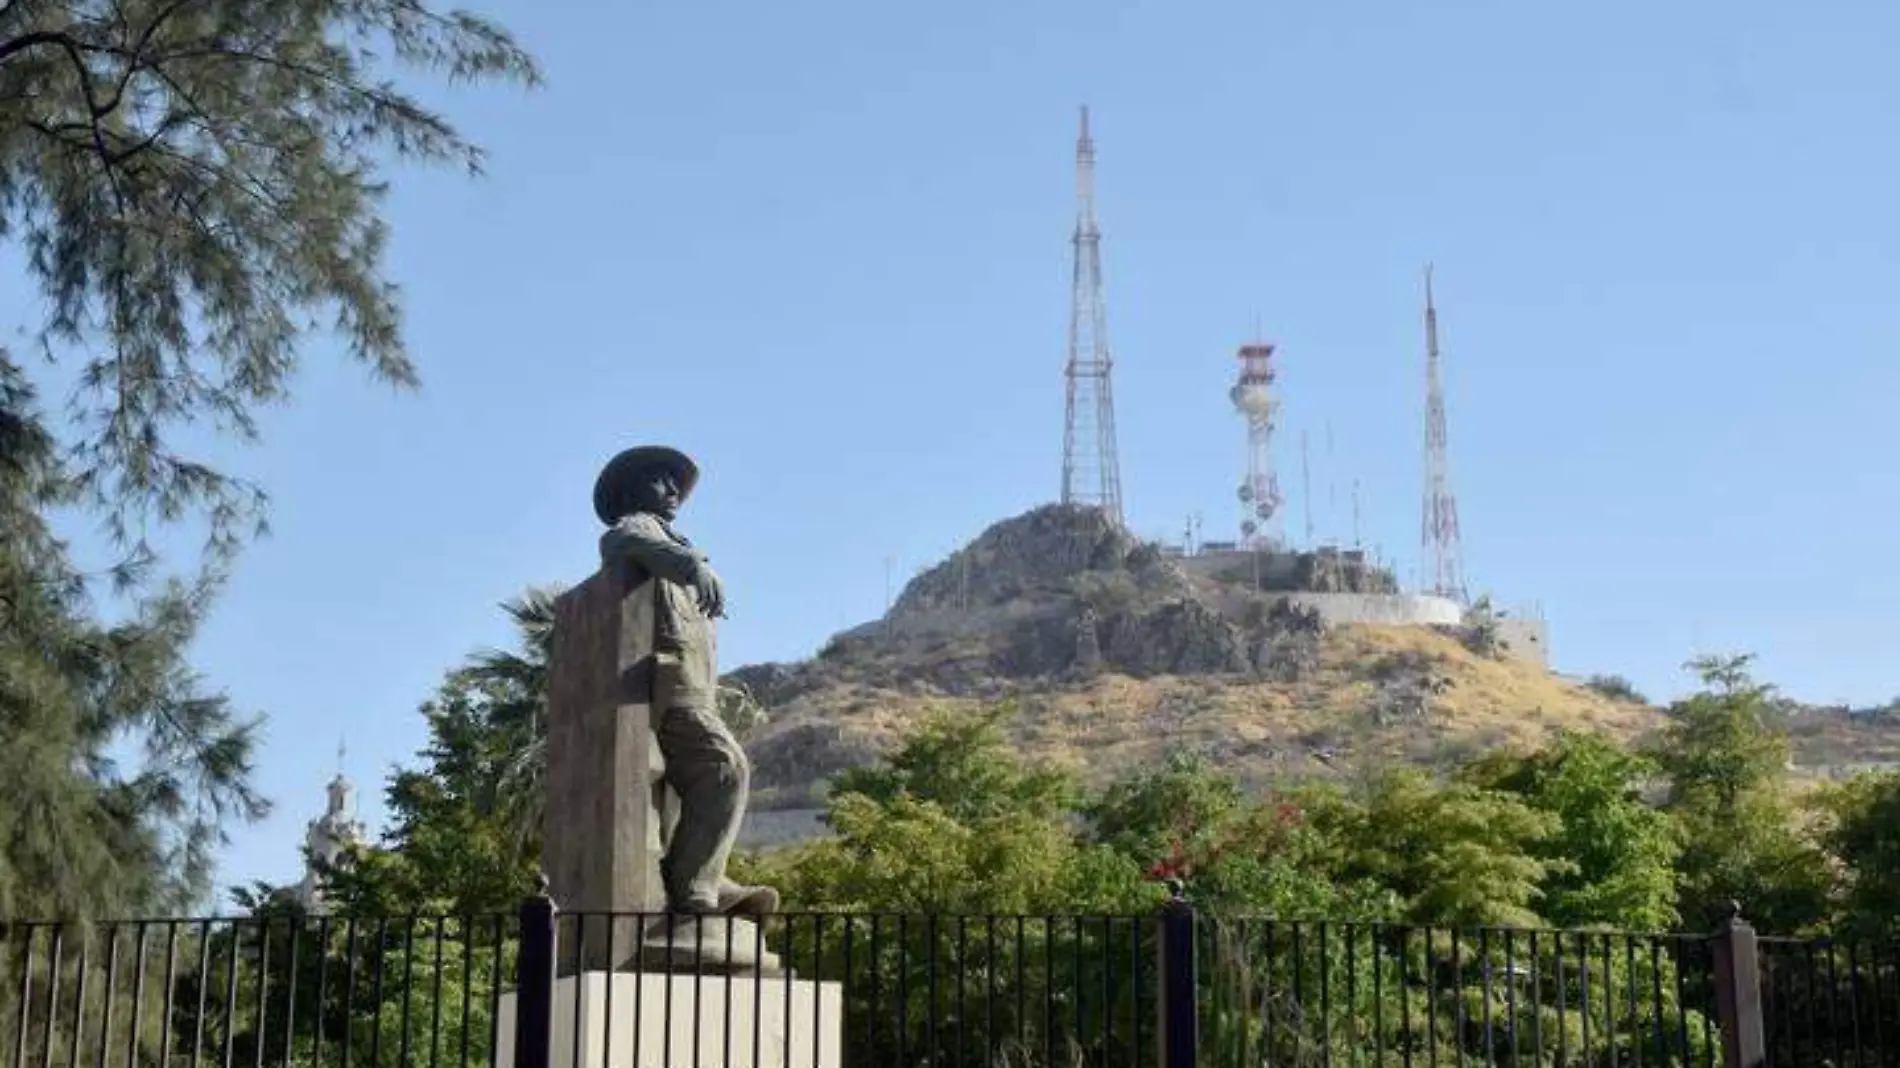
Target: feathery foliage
x,y
121,767
194,183
193,187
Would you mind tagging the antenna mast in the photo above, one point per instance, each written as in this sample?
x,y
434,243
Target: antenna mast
x,y
1091,472
1439,527
1332,488
1306,488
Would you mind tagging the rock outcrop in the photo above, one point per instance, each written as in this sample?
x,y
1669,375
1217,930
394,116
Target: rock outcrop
x,y
1030,556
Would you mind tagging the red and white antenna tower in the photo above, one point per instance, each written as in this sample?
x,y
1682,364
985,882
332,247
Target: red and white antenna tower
x,y
1091,473
1439,529
1256,401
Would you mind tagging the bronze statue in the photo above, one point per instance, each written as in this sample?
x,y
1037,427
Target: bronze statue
x,y
638,495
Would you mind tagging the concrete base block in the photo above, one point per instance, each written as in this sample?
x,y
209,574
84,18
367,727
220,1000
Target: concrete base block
x,y
742,1021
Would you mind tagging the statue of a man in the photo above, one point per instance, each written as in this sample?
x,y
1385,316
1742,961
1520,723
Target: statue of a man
x,y
638,495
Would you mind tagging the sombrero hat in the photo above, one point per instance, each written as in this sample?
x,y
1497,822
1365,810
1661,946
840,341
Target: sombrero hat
x,y
611,487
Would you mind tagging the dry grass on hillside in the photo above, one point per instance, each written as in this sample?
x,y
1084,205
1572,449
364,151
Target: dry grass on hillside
x,y
1377,694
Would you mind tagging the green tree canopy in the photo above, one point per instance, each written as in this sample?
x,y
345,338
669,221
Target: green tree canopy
x,y
1718,746
1186,820
1453,853
1612,854
193,186
953,821
121,766
963,765
465,821
1725,763
1863,834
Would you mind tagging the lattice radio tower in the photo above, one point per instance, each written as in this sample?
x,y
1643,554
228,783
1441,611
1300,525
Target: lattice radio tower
x,y
1091,473
1439,528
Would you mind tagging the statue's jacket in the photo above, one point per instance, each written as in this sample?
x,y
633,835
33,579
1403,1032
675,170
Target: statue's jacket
x,y
684,639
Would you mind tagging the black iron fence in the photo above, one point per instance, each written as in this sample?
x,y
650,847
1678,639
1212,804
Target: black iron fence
x,y
257,991
538,990
1325,993
1830,1002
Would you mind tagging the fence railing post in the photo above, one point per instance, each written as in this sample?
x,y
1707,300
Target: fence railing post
x,y
1178,1033
534,981
1738,992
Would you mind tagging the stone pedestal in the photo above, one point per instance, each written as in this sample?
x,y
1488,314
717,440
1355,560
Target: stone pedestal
x,y
627,1020
607,808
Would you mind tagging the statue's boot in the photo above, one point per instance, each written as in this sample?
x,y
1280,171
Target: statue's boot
x,y
709,943
737,900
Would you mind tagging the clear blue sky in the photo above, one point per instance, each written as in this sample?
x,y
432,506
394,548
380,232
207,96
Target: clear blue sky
x,y
824,247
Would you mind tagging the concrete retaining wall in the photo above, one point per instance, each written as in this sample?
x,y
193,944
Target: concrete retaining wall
x,y
1392,608
1526,638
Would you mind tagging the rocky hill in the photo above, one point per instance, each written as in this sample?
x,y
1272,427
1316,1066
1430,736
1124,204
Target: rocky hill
x,y
1114,655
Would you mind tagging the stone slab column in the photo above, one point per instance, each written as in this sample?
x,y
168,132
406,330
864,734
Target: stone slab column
x,y
606,805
